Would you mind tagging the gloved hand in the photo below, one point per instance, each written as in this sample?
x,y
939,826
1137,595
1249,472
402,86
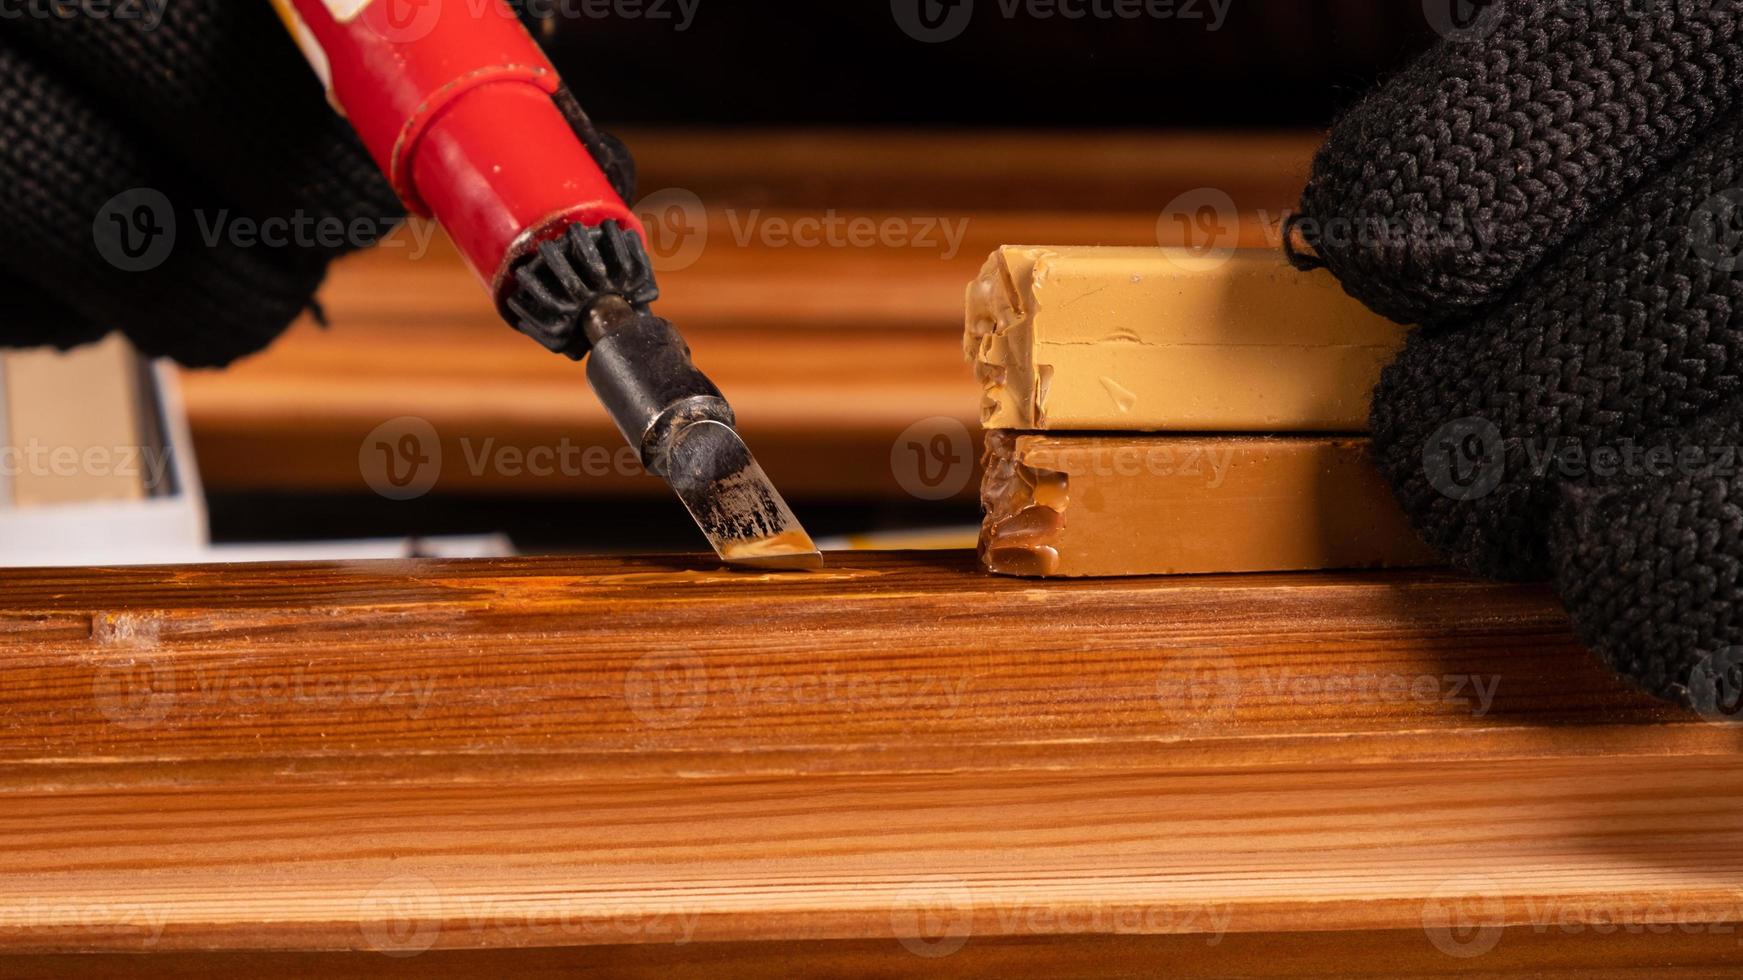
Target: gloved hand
x,y
1556,195
213,109
173,170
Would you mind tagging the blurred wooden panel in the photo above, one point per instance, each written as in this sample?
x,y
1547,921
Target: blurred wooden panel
x,y
992,171
819,278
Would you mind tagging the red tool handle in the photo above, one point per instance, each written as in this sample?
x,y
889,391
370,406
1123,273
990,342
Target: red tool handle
x,y
455,102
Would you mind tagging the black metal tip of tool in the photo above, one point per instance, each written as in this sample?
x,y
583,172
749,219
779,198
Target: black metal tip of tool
x,y
683,430
733,501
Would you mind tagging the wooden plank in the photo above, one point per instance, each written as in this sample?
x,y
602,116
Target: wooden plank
x,y
1523,952
893,763
829,346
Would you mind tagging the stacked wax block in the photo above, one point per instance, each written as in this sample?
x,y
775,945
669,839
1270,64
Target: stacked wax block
x,y
1157,411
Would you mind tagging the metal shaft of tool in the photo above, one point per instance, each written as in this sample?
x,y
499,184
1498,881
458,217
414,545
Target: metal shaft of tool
x,y
684,431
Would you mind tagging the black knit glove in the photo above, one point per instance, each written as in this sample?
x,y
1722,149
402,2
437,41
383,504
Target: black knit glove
x,y
1556,192
116,128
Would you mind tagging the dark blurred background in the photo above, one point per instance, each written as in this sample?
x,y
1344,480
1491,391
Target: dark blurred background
x,y
1233,64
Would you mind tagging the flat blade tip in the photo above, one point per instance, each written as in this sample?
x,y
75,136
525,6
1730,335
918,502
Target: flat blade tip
x,y
798,561
736,505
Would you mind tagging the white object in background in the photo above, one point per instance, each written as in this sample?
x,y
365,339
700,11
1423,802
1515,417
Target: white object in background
x,y
5,439
164,522
480,546
86,516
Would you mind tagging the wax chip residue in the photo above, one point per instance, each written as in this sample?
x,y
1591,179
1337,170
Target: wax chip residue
x,y
1123,397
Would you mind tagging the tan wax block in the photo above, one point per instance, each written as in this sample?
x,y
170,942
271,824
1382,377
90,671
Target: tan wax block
x,y
1162,339
1107,505
74,425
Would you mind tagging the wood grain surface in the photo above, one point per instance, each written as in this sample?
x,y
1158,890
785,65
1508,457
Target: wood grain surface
x,y
899,765
829,344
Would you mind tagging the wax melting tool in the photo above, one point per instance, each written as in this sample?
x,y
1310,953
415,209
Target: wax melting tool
x,y
472,125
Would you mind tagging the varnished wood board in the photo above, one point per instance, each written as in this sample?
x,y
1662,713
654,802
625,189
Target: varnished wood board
x,y
897,762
